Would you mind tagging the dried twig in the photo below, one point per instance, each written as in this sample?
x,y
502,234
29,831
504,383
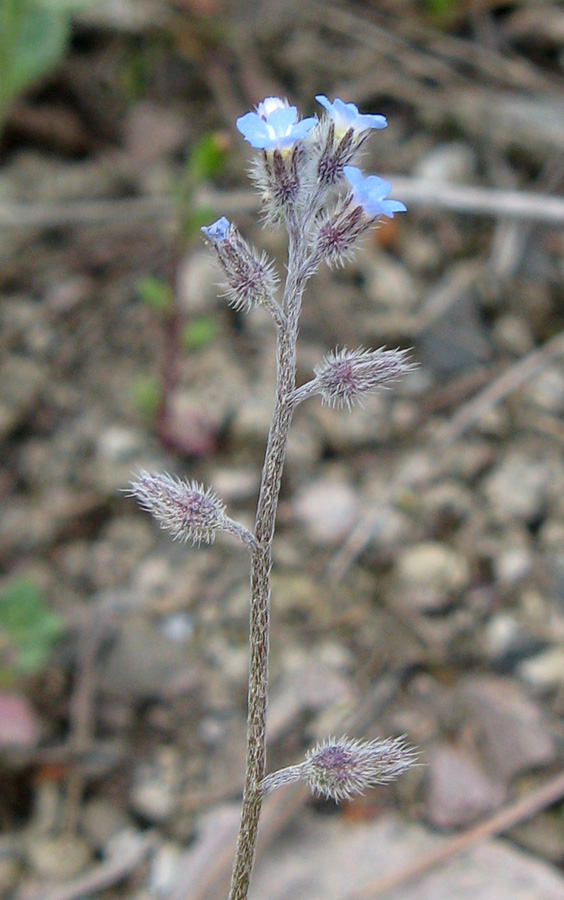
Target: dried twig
x,y
516,812
418,193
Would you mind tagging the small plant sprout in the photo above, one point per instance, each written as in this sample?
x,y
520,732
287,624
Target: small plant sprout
x,y
299,166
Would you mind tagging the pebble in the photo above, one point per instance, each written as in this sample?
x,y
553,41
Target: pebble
x,y
513,561
513,733
459,791
150,132
141,661
101,821
546,390
453,162
431,573
545,670
517,486
154,793
21,382
10,865
327,509
512,334
389,283
57,858
165,868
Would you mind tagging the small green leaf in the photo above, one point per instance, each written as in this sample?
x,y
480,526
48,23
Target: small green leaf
x,y
207,158
28,628
39,44
199,333
147,397
156,294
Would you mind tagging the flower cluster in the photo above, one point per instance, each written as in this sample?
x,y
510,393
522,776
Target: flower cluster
x,y
341,768
301,159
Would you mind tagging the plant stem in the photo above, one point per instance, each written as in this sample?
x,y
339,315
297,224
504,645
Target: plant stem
x,y
261,564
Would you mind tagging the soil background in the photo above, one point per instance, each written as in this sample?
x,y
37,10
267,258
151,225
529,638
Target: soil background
x,y
419,559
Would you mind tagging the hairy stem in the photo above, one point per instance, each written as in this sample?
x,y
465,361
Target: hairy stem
x,y
261,564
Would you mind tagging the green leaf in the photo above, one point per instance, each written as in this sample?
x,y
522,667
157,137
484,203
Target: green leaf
x,y
156,294
38,44
146,394
199,333
27,626
207,158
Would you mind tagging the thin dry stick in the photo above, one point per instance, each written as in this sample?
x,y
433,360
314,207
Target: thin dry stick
x,y
513,378
418,193
517,812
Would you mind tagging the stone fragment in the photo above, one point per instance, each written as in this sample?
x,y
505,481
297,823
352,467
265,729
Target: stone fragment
x,y
459,791
513,734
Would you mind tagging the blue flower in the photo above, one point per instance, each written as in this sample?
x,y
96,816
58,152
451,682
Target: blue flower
x,y
218,231
371,193
346,115
274,125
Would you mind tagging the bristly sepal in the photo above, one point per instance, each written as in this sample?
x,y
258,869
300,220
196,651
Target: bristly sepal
x,y
250,277
342,768
186,509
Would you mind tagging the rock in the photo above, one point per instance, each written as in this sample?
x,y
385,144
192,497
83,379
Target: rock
x,y
154,794
328,509
545,670
454,162
505,640
22,381
513,734
142,662
101,820
459,791
165,867
389,283
513,561
57,858
546,390
328,858
19,724
513,335
519,485
430,575
10,865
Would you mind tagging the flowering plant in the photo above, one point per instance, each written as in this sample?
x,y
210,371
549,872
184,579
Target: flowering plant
x,y
297,166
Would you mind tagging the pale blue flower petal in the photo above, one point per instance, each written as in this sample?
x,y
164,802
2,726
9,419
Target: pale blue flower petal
x,y
217,231
346,115
274,126
371,193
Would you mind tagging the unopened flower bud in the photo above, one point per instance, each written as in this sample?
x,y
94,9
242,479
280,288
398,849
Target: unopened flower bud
x,y
342,768
344,376
184,508
339,769
251,280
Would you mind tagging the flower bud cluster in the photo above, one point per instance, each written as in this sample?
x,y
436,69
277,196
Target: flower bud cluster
x,y
184,508
344,376
251,280
341,768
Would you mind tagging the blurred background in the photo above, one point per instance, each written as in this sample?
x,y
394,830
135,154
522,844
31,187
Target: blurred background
x,y
419,559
